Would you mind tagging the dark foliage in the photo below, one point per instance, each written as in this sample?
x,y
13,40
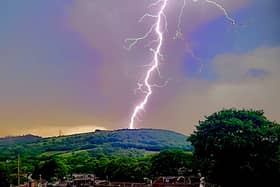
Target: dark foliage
x,y
171,163
237,147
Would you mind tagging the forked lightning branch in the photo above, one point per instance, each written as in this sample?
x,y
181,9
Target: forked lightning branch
x,y
158,28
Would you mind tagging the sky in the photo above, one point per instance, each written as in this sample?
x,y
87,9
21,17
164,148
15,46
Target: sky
x,y
64,65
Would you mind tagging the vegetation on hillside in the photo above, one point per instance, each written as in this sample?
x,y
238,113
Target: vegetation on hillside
x,y
12,140
125,142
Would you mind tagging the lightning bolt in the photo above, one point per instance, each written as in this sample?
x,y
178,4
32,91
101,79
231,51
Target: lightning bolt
x,y
223,10
157,27
161,22
179,34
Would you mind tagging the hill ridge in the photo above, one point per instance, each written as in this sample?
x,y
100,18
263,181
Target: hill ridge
x,y
132,142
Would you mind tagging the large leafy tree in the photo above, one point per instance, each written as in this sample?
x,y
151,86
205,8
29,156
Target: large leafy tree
x,y
51,168
171,163
238,148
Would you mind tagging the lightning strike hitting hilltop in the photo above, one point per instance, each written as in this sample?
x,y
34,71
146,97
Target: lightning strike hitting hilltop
x,y
157,28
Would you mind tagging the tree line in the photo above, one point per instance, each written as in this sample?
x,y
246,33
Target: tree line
x,y
112,168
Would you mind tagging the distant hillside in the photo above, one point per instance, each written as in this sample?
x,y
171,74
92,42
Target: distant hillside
x,y
11,140
135,142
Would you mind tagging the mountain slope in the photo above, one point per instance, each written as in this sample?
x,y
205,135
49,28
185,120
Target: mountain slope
x,y
135,142
11,140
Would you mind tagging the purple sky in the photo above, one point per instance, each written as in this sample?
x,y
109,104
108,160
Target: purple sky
x,y
64,66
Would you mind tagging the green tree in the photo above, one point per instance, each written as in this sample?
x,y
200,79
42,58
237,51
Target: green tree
x,y
4,181
101,168
50,169
128,169
121,168
81,163
238,147
171,162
